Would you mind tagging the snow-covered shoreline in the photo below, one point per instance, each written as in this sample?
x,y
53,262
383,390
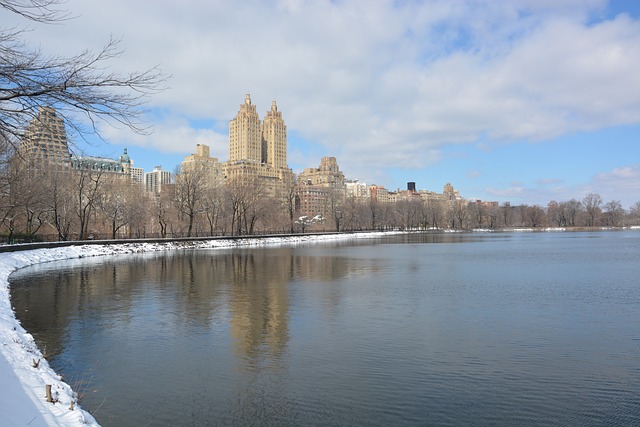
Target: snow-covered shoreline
x,y
22,364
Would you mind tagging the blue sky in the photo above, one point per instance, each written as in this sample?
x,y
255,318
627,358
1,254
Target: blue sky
x,y
522,101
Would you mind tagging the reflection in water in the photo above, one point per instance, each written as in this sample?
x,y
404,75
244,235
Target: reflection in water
x,y
142,303
499,329
259,306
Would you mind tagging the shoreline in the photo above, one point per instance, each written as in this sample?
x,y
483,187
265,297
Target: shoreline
x,y
19,353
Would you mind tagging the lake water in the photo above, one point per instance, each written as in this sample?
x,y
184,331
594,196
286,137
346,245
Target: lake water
x,y
446,329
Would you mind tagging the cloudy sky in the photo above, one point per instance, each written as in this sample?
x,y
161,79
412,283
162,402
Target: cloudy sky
x,y
522,101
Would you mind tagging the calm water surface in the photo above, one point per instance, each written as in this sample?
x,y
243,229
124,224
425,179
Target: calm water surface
x,y
462,329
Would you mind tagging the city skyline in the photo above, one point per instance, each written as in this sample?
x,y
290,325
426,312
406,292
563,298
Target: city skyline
x,y
524,103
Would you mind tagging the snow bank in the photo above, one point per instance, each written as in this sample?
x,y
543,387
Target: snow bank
x,y
24,373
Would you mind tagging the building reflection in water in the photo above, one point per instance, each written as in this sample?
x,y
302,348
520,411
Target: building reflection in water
x,y
136,312
250,286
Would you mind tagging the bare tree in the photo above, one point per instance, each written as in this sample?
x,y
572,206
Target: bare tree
x,y
59,206
355,214
569,212
137,212
613,213
163,212
190,193
212,204
592,203
87,192
26,199
534,216
506,215
80,87
255,204
334,206
246,200
37,10
554,214
460,212
478,212
432,213
119,204
290,204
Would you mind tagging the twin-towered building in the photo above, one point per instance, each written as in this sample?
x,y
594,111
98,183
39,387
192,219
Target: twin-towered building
x,y
258,150
257,153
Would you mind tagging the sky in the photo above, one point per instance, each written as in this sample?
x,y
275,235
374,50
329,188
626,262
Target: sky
x,y
511,101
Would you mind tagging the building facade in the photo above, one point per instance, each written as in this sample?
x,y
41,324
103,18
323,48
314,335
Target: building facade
x,y
258,151
202,162
320,188
155,180
44,145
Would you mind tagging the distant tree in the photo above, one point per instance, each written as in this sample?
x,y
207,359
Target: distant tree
x,y
88,190
460,211
352,213
213,205
289,204
409,213
120,204
163,212
190,193
534,216
246,200
374,214
634,213
431,214
59,205
505,215
478,211
334,206
492,216
554,214
569,212
138,211
592,204
613,213
29,199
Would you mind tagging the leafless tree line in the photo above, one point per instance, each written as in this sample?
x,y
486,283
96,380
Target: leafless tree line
x,y
418,214
61,204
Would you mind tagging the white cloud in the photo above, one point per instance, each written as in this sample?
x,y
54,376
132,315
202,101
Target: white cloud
x,y
172,136
376,84
621,184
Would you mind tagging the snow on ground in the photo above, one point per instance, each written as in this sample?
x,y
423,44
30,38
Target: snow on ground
x,y
24,373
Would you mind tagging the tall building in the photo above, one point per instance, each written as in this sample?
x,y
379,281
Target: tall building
x,y
137,176
155,180
245,134
257,151
44,144
207,165
274,133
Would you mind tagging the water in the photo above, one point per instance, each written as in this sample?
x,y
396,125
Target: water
x,y
455,329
